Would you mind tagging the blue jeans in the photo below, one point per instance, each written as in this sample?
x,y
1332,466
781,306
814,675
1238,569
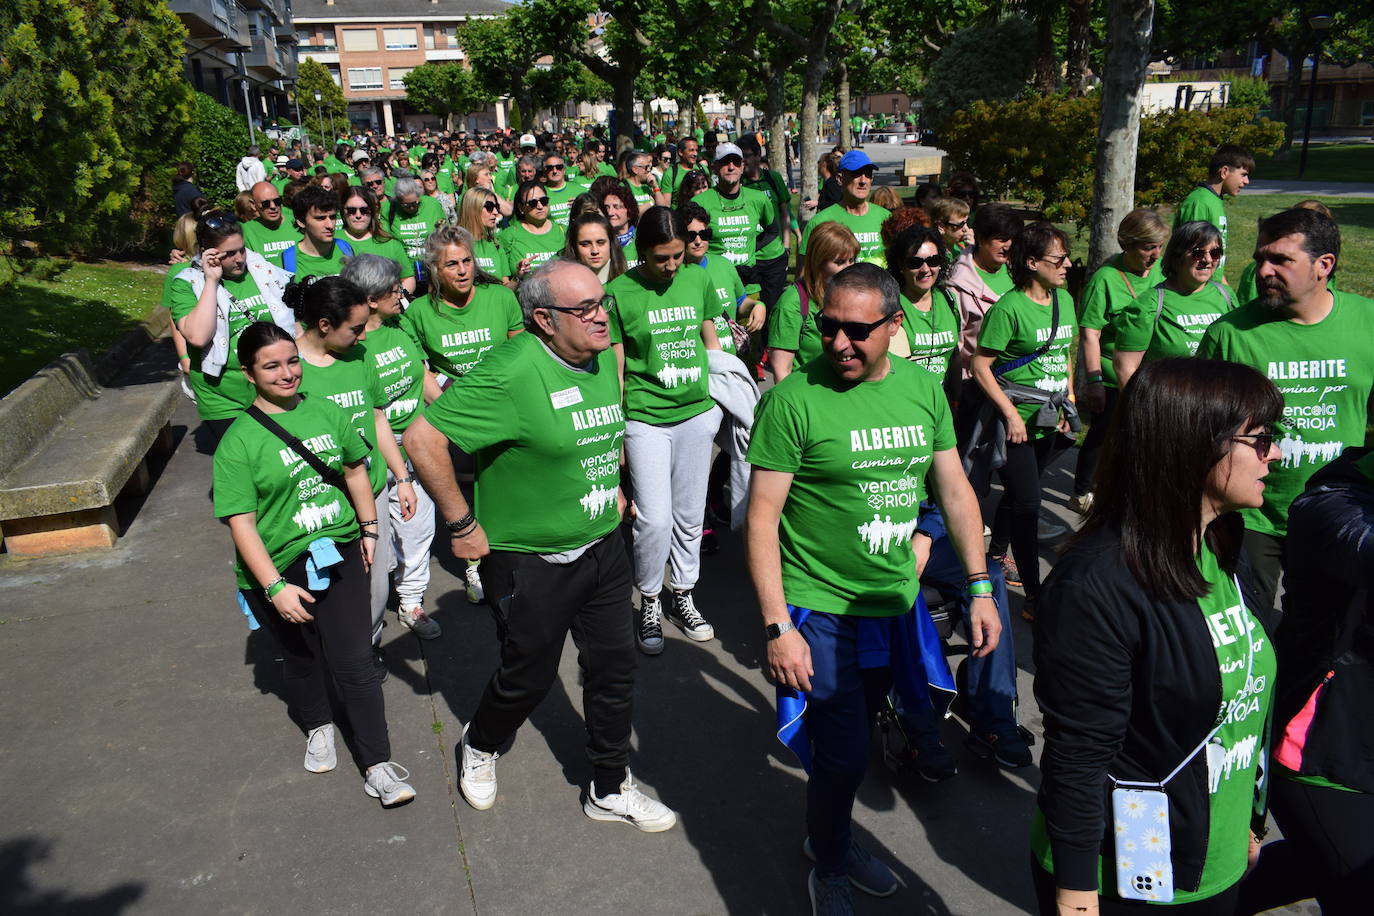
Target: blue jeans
x,y
844,700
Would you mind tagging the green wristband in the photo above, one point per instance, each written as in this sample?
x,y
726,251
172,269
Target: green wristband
x,y
275,587
981,587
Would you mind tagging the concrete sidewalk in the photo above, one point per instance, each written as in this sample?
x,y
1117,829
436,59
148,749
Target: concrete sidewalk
x,y
149,765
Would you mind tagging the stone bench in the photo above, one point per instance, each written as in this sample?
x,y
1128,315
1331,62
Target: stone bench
x,y
77,435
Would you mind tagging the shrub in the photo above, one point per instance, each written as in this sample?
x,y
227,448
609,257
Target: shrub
x,y
216,142
1250,92
991,62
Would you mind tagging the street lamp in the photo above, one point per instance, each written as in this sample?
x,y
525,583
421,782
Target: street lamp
x,y
319,115
1321,24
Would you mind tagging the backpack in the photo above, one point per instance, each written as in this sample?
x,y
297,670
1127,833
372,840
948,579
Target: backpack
x,y
288,256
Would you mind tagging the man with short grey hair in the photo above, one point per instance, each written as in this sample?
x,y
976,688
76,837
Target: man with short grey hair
x,y
541,414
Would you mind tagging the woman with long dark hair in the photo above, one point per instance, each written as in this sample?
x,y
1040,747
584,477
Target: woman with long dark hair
x,y
1153,673
590,243
533,237
365,234
917,261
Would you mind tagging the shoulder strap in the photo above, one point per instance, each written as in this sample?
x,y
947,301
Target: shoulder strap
x,y
346,248
1225,294
1125,278
1026,360
328,474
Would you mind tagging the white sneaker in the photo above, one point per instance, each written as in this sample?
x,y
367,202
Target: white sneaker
x,y
417,621
476,774
387,782
474,580
319,749
631,806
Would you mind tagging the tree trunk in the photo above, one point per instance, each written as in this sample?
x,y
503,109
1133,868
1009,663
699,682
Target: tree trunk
x,y
842,101
1080,37
1130,25
1046,67
775,117
623,94
685,116
816,65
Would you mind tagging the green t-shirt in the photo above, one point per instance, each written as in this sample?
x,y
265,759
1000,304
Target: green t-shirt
x,y
560,202
519,243
631,252
399,364
391,249
859,454
455,339
351,382
1107,293
641,195
307,265
225,396
867,229
999,281
787,330
491,256
932,335
1237,749
673,178
1248,286
413,231
1016,325
728,293
1181,323
1325,372
737,222
270,243
1204,204
546,439
665,358
256,472
774,187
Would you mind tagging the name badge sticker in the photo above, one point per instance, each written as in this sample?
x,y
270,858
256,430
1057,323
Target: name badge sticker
x,y
565,398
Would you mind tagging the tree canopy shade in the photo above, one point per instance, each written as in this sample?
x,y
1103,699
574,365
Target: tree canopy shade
x,y
94,102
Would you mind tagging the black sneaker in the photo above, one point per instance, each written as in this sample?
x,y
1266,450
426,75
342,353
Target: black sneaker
x,y
648,631
379,662
1005,745
710,544
683,614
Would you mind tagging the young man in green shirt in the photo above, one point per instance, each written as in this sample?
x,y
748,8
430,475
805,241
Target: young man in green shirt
x,y
542,416
270,234
318,253
769,271
843,452
1227,175
863,218
1317,345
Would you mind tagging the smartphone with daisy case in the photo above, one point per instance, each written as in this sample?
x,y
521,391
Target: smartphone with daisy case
x,y
1144,870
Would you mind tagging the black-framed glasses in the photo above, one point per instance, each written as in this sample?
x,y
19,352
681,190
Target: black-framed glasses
x,y
1056,261
934,262
854,330
490,206
704,235
554,166
956,227
586,310
1262,443
375,182
536,202
1202,254
271,202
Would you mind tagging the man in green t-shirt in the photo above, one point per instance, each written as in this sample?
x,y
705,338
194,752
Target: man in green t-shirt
x,y
1227,175
863,218
743,221
542,416
1317,346
318,253
270,234
843,450
561,191
769,270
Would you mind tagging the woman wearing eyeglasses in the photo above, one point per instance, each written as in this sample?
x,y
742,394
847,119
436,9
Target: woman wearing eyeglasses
x,y
534,237
660,331
733,302
429,182
590,244
479,212
364,233
793,340
480,176
1152,668
917,261
1022,367
1170,319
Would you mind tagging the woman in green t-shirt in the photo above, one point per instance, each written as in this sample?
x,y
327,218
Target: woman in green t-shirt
x,y
364,233
1143,636
479,212
918,262
1030,394
533,237
793,339
305,542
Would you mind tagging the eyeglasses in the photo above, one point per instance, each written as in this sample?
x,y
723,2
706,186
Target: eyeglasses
x,y
730,160
274,202
1262,444
934,262
375,182
554,166
536,202
586,310
358,211
1203,254
854,330
429,180
1054,260
867,172
640,168
956,227
490,206
702,234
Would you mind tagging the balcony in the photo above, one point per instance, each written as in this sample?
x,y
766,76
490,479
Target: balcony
x,y
444,54
213,20
265,58
276,9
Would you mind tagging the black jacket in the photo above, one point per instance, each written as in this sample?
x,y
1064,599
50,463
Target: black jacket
x,y
1127,684
1328,626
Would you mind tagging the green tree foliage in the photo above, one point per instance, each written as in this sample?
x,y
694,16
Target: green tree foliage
x,y
445,89
1251,92
502,54
214,145
989,62
311,77
1041,150
94,106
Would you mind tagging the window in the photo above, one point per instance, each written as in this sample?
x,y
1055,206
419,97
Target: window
x,y
360,39
401,39
334,74
364,77
1367,114
396,76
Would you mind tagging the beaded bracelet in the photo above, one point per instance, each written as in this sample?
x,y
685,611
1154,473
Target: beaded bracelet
x,y
274,588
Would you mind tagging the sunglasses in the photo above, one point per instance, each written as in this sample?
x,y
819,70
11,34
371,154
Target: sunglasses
x,y
1202,254
375,183
934,262
536,201
1262,443
274,202
216,222
490,206
585,311
702,234
358,211
554,166
854,330
1056,260
956,227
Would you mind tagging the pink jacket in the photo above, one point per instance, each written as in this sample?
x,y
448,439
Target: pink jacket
x,y
975,298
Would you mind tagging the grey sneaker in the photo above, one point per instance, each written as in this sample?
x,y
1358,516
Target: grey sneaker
x,y
830,896
476,774
319,749
631,806
649,632
683,614
862,869
417,621
473,575
387,782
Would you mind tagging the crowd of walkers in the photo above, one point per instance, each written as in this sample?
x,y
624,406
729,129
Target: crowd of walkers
x,y
542,352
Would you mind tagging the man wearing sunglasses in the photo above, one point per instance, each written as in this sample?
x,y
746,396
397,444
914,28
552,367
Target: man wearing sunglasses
x,y
542,415
1316,344
843,452
271,233
743,221
561,191
864,219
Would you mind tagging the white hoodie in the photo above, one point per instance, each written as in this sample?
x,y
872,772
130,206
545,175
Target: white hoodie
x,y
249,172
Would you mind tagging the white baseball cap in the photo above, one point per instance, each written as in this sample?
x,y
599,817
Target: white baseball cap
x,y
528,140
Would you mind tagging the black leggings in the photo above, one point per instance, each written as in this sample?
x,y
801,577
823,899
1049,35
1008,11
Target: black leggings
x,y
1017,518
1090,452
1327,851
1222,904
339,641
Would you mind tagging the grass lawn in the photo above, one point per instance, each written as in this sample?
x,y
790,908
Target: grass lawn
x,y
1325,162
86,306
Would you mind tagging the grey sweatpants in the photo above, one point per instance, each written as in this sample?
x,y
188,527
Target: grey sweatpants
x,y
403,546
669,466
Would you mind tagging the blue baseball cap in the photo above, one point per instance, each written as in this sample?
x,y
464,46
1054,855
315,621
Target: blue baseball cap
x,y
854,160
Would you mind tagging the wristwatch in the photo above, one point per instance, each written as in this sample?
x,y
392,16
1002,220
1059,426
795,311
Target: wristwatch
x,y
774,630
